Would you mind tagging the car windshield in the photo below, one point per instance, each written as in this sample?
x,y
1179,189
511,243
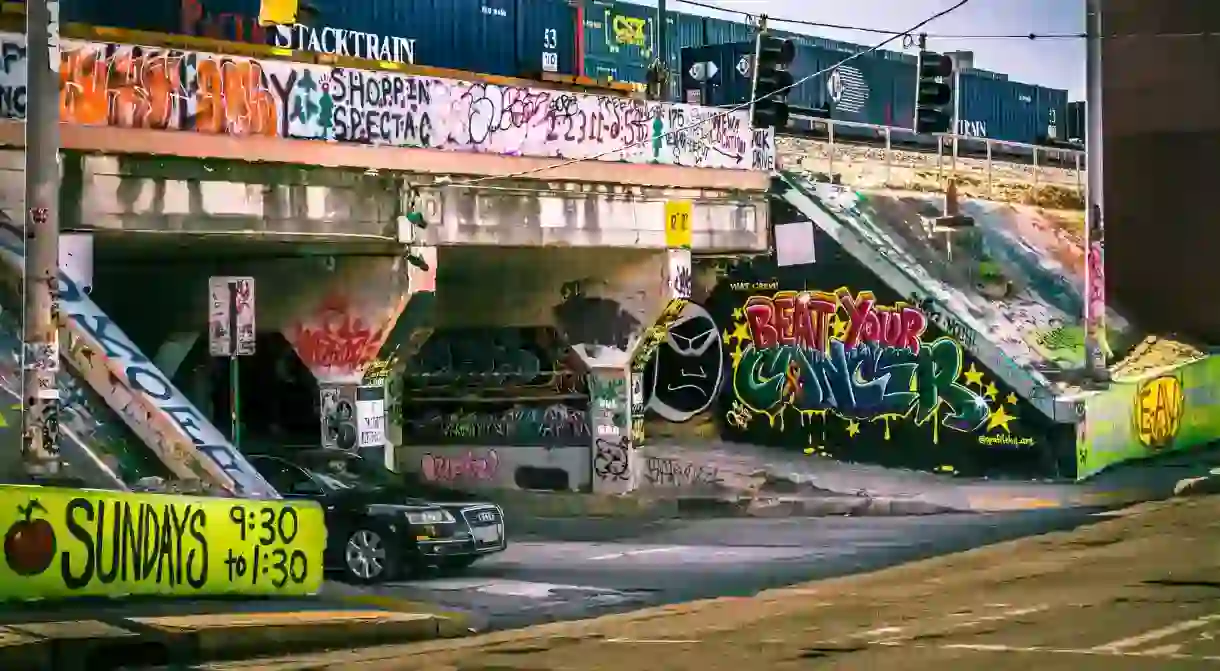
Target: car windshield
x,y
347,472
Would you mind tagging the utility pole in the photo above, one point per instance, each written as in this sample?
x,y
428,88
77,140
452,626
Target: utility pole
x,y
40,351
1095,342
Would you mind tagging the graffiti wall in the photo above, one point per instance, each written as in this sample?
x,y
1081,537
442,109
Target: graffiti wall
x,y
491,386
826,360
1153,414
513,467
167,89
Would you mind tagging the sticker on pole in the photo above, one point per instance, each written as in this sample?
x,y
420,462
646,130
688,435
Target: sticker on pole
x,y
231,316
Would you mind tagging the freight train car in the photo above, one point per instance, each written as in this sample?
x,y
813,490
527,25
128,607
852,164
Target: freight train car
x,y
514,38
620,40
868,89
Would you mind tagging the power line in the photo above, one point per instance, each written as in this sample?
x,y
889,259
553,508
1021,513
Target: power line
x,y
723,113
947,36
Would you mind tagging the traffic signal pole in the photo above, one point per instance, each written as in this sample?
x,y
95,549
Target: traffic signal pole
x,y
758,39
40,347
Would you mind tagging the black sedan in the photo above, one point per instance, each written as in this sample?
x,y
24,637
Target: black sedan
x,y
378,526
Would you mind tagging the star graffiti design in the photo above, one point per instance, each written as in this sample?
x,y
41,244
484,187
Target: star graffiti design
x,y
853,428
974,376
1000,419
1011,399
990,392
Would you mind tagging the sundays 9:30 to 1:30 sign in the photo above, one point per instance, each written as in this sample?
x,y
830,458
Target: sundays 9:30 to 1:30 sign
x,y
69,543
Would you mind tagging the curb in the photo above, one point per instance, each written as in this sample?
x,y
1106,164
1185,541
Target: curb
x,y
182,640
450,624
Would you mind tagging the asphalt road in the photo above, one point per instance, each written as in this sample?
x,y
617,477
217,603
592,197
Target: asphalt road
x,y
561,569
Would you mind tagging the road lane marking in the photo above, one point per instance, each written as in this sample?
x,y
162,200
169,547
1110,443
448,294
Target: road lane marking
x,y
955,627
634,553
1125,644
652,641
1092,652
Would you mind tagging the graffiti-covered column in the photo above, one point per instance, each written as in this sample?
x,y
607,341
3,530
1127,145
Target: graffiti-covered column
x,y
343,326
610,322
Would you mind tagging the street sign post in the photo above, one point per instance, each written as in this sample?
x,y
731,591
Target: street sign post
x,y
231,334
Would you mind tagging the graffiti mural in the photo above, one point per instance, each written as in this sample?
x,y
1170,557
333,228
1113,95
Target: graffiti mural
x,y
505,386
470,467
142,87
847,375
338,339
687,371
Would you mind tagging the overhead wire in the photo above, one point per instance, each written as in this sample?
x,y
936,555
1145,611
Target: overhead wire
x,y
725,112
945,36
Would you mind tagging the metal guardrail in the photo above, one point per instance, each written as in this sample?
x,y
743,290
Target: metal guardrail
x,y
959,146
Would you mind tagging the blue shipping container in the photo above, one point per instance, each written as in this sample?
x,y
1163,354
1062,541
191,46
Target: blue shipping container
x,y
874,90
501,37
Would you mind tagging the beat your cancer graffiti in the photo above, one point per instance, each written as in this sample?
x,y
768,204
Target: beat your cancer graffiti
x,y
845,353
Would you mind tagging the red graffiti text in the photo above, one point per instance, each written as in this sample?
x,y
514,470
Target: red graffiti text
x,y
804,318
336,338
470,467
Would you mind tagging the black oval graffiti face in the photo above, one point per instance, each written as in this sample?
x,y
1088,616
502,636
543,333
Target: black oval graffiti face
x,y
688,372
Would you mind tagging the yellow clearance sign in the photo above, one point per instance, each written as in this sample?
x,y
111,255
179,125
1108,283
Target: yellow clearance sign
x,y
678,232
70,543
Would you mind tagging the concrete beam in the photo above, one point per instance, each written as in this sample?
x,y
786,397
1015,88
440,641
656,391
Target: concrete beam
x,y
166,195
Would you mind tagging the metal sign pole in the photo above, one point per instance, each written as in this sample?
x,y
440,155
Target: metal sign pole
x,y
234,369
762,29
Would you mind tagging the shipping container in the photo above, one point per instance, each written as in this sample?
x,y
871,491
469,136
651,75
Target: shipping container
x,y
870,89
1076,122
515,38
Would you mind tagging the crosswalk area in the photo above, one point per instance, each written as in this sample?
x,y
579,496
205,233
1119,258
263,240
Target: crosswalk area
x,y
1157,631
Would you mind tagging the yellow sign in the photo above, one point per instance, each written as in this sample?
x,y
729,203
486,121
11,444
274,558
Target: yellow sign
x,y
277,12
678,223
1159,406
79,542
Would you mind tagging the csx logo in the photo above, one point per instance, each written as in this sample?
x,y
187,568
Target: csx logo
x,y
628,30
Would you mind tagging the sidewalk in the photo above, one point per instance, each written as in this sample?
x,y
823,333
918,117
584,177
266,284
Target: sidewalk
x,y
1137,591
765,482
95,634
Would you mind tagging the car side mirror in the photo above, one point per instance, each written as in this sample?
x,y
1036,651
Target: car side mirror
x,y
306,487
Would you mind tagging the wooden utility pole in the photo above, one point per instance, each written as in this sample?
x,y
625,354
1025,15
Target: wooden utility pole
x,y
40,351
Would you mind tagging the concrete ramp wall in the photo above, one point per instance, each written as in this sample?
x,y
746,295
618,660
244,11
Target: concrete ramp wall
x,y
109,363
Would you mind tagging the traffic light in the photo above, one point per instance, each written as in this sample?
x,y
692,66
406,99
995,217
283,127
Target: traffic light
x,y
933,93
771,82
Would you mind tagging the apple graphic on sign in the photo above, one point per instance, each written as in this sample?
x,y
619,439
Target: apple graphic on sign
x,y
29,544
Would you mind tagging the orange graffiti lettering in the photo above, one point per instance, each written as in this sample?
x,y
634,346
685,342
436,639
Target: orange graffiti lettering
x,y
134,87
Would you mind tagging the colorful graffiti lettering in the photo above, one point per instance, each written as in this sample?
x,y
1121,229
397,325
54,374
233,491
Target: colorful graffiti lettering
x,y
168,89
843,354
468,467
1159,407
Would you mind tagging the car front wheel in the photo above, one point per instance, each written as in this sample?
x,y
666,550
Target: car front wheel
x,y
367,558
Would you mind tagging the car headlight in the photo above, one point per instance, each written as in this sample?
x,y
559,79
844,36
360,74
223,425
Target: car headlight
x,y
429,516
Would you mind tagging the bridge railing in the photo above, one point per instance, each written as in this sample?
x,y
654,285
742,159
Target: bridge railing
x,y
990,160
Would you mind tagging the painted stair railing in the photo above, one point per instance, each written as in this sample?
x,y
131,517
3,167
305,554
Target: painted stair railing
x,y
189,447
882,256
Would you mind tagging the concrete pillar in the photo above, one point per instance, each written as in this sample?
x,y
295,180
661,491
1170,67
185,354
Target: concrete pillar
x,y
344,328
611,323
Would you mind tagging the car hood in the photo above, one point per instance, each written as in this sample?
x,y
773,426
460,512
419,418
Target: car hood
x,y
381,497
